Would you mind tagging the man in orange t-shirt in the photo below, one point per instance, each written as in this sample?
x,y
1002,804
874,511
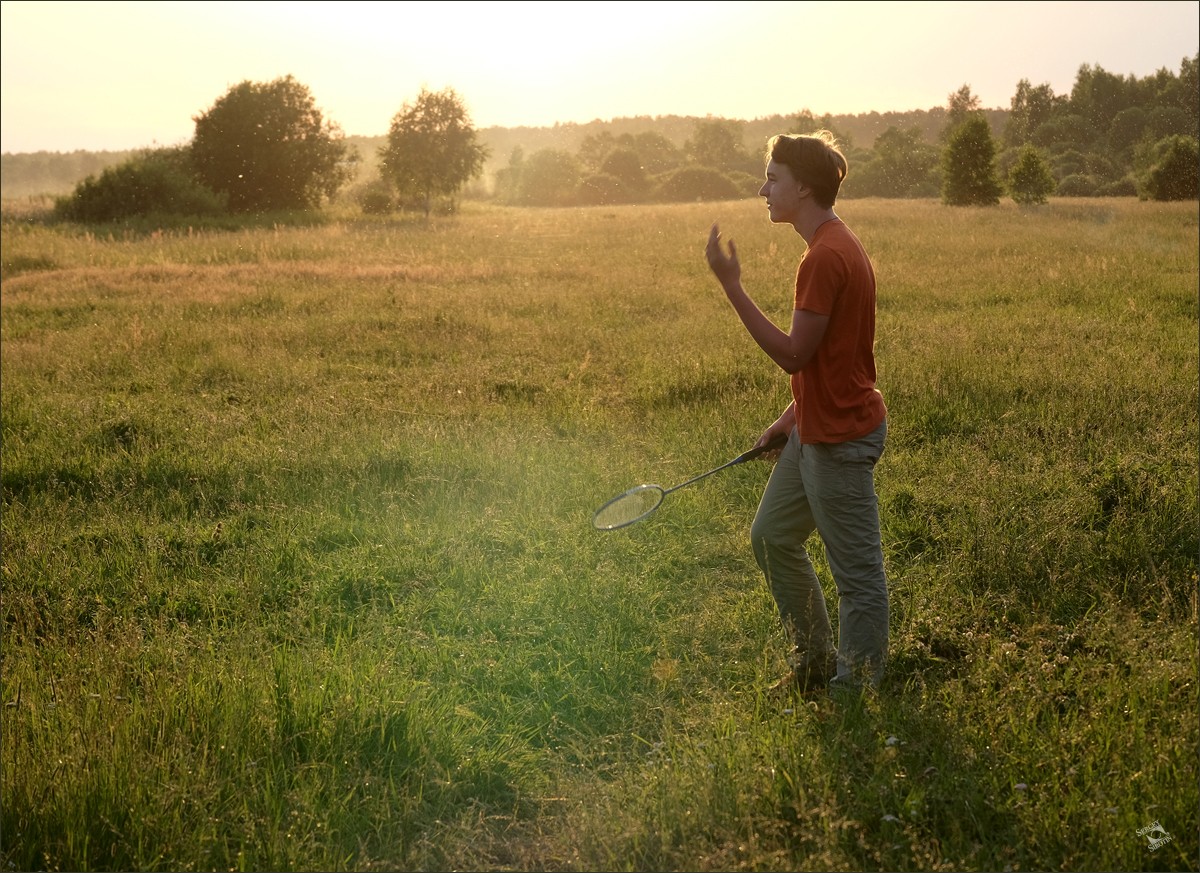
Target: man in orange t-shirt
x,y
836,426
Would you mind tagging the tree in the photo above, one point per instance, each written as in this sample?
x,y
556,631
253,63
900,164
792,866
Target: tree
x,y
1099,95
266,146
717,143
902,166
1066,130
596,147
658,153
1126,129
548,177
507,187
1029,109
960,106
1186,93
1029,180
807,123
431,148
626,165
1175,171
968,171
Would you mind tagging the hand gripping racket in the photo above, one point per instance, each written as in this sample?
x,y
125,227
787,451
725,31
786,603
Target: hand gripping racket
x,y
636,503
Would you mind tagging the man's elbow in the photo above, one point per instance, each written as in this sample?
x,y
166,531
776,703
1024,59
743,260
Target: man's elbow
x,y
794,360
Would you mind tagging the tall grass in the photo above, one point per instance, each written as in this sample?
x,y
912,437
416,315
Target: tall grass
x,y
298,571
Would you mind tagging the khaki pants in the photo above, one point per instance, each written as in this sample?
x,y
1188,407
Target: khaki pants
x,y
829,488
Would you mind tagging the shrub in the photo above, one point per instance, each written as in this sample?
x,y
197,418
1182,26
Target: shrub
x,y
1029,180
1123,187
626,166
603,189
1077,185
696,184
374,198
747,184
1173,175
549,177
156,181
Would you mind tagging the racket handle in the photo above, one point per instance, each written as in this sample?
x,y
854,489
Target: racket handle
x,y
770,445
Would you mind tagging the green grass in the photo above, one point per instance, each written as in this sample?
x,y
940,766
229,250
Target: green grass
x,y
298,570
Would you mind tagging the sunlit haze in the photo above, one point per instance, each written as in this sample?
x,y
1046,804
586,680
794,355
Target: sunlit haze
x,y
121,75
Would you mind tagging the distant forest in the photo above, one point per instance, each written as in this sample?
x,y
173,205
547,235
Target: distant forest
x,y
1098,140
29,174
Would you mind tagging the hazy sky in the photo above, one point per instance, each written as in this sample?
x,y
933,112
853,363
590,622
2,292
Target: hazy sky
x,y
122,75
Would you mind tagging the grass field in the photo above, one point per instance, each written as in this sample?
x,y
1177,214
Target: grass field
x,y
298,569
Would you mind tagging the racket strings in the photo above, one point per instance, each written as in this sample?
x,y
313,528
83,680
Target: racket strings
x,y
628,507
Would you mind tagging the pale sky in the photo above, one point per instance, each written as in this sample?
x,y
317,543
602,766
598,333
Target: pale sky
x,y
125,75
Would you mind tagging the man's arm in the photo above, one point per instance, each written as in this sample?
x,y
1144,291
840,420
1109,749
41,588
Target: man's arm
x,y
792,350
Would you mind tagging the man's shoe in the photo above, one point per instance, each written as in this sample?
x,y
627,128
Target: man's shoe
x,y
804,680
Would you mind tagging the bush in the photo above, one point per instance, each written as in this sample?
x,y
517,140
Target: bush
x,y
1029,180
696,184
374,198
626,166
1124,187
549,177
156,181
747,184
1174,174
1077,185
603,189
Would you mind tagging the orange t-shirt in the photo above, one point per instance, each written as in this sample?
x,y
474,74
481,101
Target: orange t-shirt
x,y
836,398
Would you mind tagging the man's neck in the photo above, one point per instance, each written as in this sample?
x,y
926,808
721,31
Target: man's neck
x,y
808,223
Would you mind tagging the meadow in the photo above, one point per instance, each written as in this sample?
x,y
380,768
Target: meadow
x,y
299,574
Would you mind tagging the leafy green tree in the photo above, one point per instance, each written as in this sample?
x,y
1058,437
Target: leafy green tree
x,y
1174,173
1099,95
658,153
1185,93
549,177
154,182
960,106
968,165
1030,108
1126,129
625,165
432,148
508,179
1165,121
807,123
1029,180
597,146
717,143
266,146
902,165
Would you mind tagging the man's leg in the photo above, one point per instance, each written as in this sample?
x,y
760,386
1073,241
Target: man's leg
x,y
840,485
783,523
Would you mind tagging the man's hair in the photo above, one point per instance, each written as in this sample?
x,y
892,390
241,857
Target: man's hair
x,y
814,160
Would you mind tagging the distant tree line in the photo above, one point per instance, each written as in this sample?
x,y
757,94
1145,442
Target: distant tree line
x,y
266,147
1111,136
